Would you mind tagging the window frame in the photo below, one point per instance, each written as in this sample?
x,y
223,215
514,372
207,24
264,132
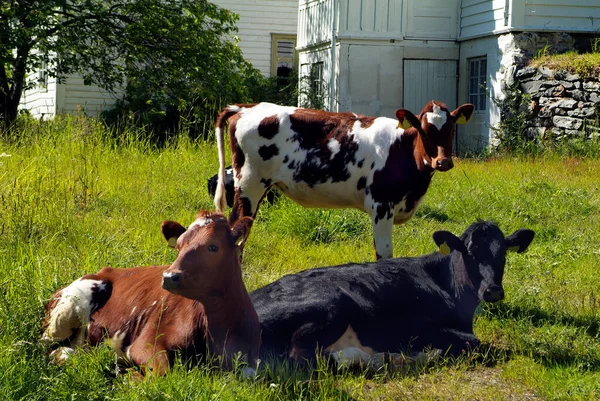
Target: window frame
x,y
477,83
275,58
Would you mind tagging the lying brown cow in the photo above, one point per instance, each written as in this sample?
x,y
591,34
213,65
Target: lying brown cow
x,y
382,166
145,323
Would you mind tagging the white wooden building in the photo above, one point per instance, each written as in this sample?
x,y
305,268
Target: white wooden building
x,y
267,36
374,56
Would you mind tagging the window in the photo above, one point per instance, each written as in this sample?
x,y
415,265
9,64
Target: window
x,y
283,55
43,76
477,83
312,86
316,79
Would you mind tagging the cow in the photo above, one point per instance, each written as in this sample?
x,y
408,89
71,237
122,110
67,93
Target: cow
x,y
381,166
211,186
357,312
146,323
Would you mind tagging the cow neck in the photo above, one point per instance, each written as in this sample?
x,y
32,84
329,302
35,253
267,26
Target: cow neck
x,y
420,155
229,316
460,280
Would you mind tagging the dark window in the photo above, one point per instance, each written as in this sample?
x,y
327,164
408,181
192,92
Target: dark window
x,y
478,83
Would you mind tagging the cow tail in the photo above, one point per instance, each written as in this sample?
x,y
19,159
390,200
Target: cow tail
x,y
69,312
222,118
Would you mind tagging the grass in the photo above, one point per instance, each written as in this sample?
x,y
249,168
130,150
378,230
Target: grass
x,y
74,199
585,65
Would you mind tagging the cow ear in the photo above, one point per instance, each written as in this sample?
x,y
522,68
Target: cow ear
x,y
241,230
519,240
448,242
407,119
171,231
463,113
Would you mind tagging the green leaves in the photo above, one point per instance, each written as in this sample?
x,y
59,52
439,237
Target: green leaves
x,y
165,50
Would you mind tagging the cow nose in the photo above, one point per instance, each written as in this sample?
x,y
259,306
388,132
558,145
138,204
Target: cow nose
x,y
444,164
494,293
171,279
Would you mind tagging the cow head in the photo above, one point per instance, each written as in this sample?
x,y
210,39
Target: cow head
x,y
483,249
207,263
435,126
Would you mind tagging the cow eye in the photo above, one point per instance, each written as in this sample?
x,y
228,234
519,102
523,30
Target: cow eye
x,y
213,248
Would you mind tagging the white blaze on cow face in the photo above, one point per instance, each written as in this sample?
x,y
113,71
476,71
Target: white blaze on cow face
x,y
437,117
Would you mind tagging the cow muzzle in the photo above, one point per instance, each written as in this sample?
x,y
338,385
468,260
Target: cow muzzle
x,y
493,293
172,280
443,164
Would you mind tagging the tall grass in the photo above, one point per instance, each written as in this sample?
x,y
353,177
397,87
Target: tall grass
x,y
74,197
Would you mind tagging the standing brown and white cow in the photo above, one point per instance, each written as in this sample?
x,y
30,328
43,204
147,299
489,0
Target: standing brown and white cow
x,y
381,166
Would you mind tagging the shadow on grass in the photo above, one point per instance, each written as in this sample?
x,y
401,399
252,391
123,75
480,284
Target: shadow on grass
x,y
551,354
430,213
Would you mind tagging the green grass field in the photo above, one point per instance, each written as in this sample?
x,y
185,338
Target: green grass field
x,y
74,199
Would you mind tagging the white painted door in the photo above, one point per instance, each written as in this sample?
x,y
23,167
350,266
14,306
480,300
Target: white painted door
x,y
426,80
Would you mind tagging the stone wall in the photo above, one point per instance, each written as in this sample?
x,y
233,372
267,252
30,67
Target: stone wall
x,y
561,104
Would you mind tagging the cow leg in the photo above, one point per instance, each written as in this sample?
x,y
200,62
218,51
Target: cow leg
x,y
311,335
382,233
454,342
247,199
151,355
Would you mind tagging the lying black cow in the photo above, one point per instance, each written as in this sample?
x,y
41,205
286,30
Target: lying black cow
x,y
354,311
229,190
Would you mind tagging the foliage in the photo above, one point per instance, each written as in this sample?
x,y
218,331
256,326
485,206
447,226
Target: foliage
x,y
173,55
511,133
585,65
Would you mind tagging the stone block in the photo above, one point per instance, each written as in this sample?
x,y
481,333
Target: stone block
x,y
526,72
581,112
576,94
567,122
591,86
565,103
531,87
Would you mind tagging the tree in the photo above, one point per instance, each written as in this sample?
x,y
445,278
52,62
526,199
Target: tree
x,y
162,46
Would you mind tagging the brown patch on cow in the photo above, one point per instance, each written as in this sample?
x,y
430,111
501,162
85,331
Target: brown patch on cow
x,y
402,168
241,207
314,129
362,183
238,158
366,122
268,127
267,152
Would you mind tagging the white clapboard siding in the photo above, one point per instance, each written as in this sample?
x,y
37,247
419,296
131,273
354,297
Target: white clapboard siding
x,y
40,101
370,16
259,19
481,17
74,96
314,22
569,15
426,80
432,19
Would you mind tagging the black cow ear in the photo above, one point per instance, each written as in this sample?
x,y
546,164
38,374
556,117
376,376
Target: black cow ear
x,y
519,240
171,231
241,230
407,119
448,242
